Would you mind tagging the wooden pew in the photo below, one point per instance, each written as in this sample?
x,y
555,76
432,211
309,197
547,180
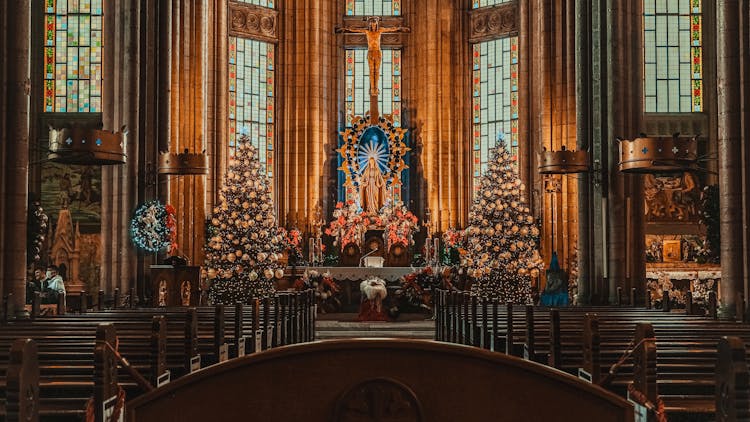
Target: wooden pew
x,y
732,381
474,376
22,394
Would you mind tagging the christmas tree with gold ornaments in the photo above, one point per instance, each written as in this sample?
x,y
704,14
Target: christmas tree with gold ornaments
x,y
243,242
502,237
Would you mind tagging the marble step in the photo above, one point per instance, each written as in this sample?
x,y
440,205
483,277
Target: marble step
x,y
338,329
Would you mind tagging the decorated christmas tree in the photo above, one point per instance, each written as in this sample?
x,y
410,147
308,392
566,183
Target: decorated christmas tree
x,y
243,242
502,238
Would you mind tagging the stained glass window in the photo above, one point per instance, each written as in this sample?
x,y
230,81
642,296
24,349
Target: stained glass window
x,y
494,100
251,96
358,84
73,56
373,7
476,4
673,39
264,3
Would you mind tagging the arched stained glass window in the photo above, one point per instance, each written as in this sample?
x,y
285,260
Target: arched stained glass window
x,y
252,94
73,56
476,4
265,3
373,7
494,100
673,50
358,84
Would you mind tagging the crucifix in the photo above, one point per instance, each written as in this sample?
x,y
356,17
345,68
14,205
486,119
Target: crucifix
x,y
373,33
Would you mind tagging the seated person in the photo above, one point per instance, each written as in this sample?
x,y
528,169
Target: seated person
x,y
53,286
34,285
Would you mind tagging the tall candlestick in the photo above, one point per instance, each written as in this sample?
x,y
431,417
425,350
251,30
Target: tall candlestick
x,y
427,248
436,250
312,251
319,248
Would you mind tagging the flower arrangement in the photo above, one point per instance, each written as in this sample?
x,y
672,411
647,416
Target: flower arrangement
x,y
453,238
416,288
349,224
154,227
327,291
400,224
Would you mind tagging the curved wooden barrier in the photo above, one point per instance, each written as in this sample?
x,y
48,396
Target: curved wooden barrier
x,y
379,379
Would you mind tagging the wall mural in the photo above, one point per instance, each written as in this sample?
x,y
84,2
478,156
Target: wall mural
x,y
77,188
671,198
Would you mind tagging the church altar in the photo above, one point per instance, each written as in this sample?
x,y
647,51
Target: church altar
x,y
389,274
348,278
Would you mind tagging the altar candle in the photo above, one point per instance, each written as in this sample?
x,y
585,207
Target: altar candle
x,y
427,247
436,250
312,251
319,245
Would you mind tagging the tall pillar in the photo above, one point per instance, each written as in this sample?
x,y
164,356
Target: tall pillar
x,y
583,142
436,73
187,117
729,62
15,139
121,107
307,107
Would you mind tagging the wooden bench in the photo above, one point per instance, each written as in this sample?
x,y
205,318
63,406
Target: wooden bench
x,y
466,384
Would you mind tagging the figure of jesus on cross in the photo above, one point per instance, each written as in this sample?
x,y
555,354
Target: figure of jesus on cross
x,y
373,33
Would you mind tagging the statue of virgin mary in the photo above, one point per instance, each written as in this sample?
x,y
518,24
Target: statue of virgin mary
x,y
372,187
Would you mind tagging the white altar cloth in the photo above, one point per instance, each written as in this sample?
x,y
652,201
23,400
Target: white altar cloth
x,y
389,274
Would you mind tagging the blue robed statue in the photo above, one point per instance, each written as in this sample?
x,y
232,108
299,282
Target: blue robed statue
x,y
556,291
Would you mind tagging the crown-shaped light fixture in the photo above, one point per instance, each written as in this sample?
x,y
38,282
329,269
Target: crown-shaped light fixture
x,y
183,163
673,154
87,146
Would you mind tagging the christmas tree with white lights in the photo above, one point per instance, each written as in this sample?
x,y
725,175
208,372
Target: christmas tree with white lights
x,y
502,237
243,242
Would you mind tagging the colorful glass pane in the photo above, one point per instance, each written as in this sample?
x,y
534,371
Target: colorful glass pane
x,y
476,4
673,50
251,97
73,56
494,100
373,7
264,3
357,100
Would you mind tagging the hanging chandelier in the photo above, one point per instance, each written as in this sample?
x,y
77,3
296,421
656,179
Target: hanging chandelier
x,y
673,154
87,146
183,163
564,161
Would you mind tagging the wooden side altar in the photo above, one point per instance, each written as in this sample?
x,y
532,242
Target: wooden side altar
x,y
175,285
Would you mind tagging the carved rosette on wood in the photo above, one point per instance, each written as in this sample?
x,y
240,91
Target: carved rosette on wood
x,y
382,399
490,23
255,22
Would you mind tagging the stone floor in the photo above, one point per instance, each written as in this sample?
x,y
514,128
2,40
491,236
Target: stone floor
x,y
335,326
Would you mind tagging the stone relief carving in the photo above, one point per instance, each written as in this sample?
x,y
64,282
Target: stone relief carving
x,y
492,22
249,21
671,198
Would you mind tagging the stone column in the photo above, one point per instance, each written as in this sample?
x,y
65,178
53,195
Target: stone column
x,y
583,137
120,107
306,83
15,139
624,119
187,119
436,83
729,61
